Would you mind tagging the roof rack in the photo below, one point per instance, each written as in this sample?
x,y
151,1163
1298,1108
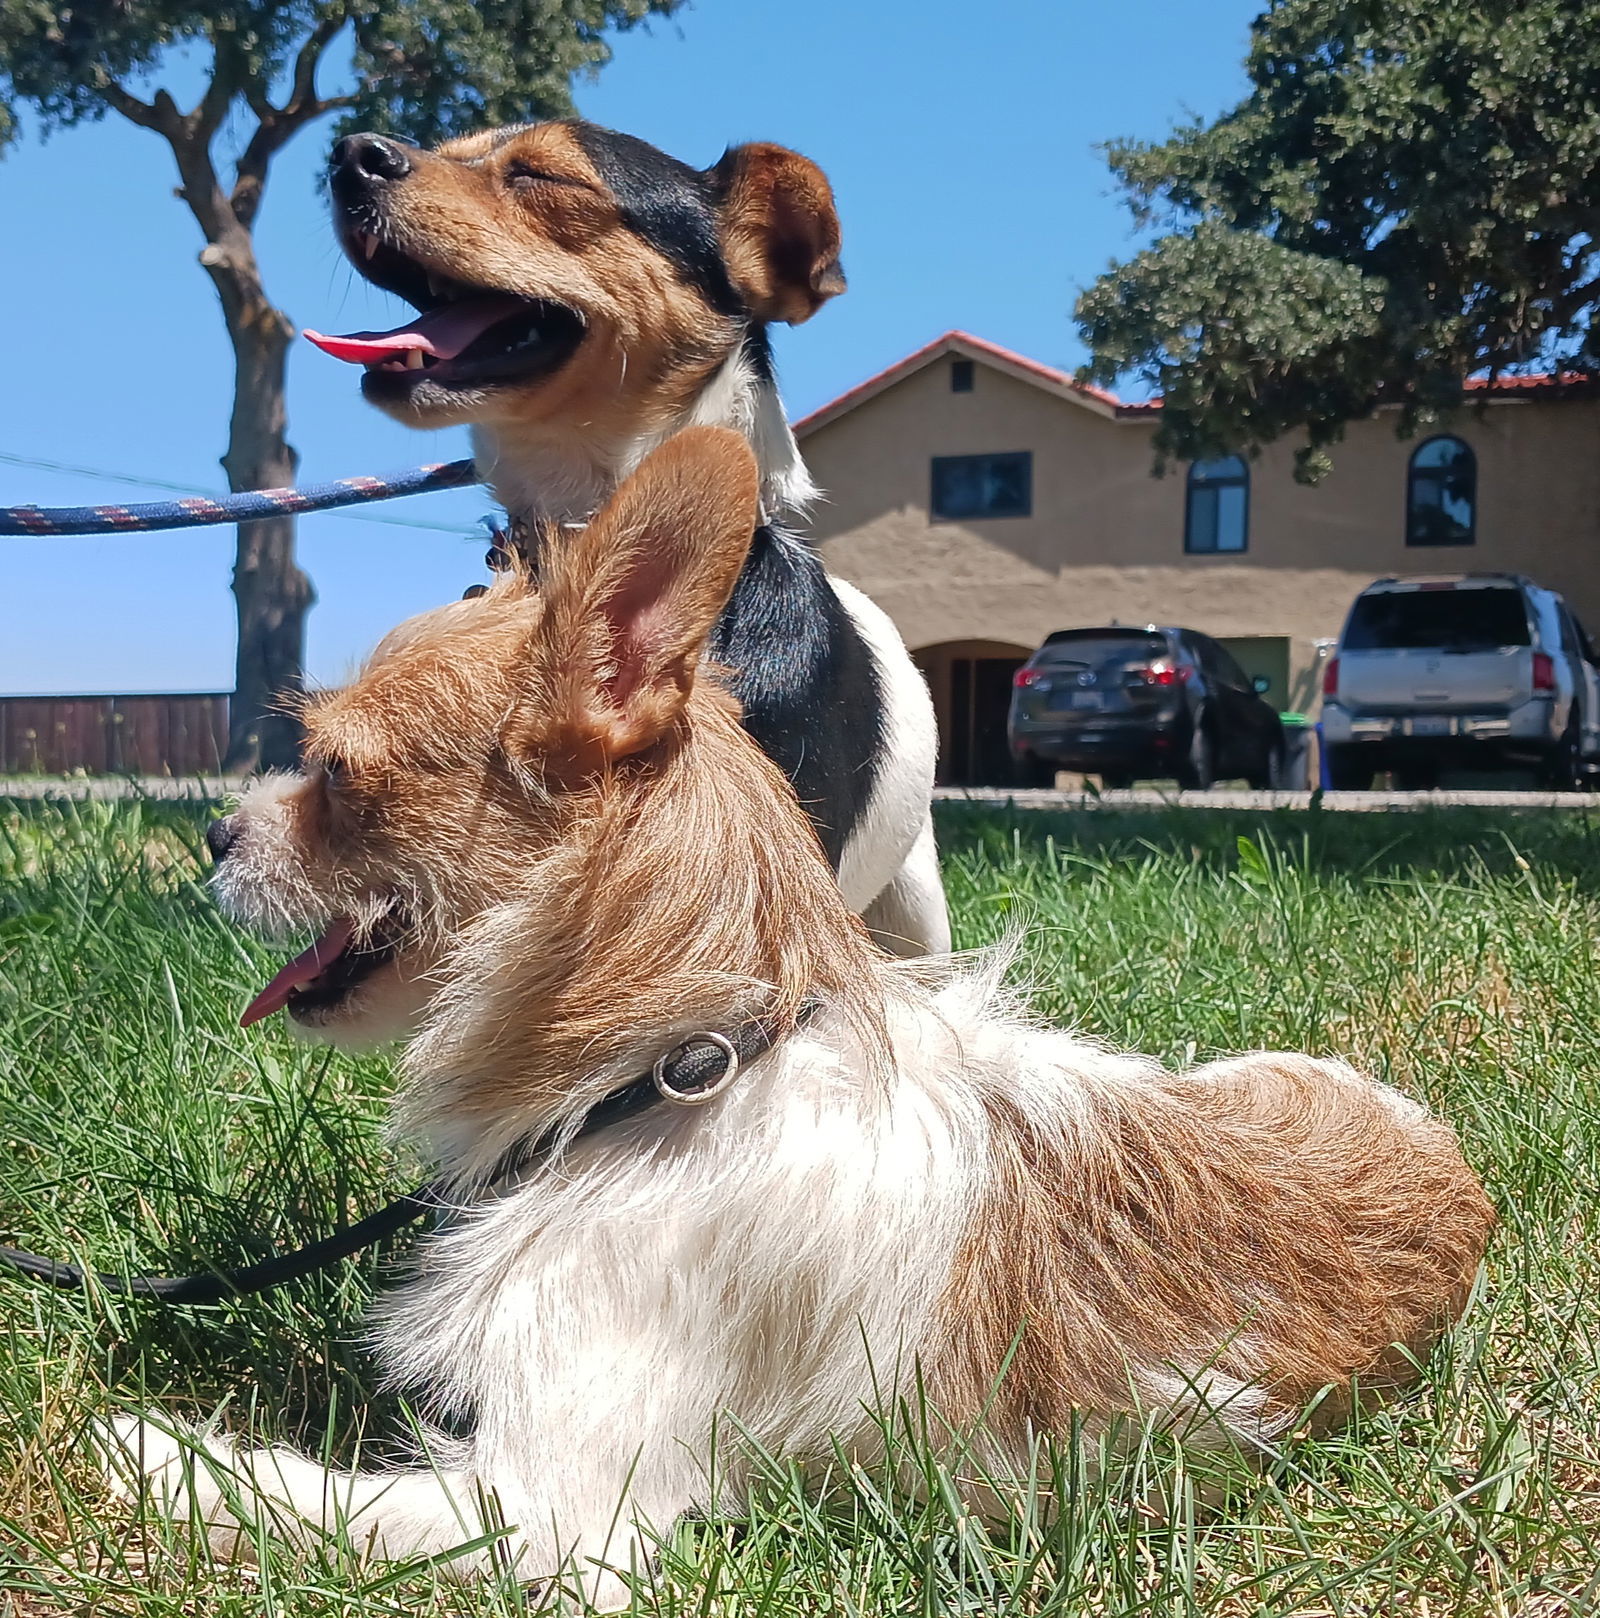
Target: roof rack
x,y
1474,573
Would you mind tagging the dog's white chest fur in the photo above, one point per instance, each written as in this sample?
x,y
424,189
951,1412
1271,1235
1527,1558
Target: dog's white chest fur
x,y
754,1260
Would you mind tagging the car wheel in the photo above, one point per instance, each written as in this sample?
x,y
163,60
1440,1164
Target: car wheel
x,y
1029,770
1564,764
1268,776
1198,771
1349,770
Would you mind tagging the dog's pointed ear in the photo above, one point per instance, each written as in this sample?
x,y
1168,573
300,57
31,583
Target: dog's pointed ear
x,y
630,602
780,231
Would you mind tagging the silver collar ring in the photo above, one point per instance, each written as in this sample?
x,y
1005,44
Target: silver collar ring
x,y
710,1092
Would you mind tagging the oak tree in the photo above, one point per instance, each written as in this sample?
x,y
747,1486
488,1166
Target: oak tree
x,y
1408,196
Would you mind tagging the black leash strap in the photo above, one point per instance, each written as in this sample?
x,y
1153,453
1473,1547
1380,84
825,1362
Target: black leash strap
x,y
693,1071
262,1277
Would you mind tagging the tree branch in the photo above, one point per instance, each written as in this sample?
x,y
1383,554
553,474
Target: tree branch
x,y
275,126
303,86
129,105
257,100
225,217
271,134
213,106
202,191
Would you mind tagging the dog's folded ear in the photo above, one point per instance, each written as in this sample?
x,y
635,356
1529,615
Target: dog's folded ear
x,y
630,602
780,231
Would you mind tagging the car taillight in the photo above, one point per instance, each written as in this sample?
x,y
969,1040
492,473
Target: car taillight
x,y
1330,678
1544,672
1024,677
1162,674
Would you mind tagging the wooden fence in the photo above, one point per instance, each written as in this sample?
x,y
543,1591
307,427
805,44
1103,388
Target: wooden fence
x,y
156,735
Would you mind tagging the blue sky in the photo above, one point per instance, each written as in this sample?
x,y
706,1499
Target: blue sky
x,y
960,141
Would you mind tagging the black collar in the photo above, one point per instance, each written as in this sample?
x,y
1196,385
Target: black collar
x,y
696,1070
693,1072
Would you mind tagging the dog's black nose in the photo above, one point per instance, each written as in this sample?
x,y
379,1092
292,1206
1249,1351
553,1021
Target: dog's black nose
x,y
371,157
221,835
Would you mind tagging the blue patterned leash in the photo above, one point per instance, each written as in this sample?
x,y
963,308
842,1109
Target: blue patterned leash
x,y
199,510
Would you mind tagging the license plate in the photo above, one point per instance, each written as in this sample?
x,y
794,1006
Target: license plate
x,y
1087,699
1430,725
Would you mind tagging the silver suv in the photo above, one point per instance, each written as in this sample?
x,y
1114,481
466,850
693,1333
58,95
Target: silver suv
x,y
1463,671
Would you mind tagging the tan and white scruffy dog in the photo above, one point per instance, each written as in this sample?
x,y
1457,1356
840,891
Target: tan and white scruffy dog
x,y
544,801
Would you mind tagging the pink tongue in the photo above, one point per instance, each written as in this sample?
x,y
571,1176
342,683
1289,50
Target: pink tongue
x,y
442,332
303,969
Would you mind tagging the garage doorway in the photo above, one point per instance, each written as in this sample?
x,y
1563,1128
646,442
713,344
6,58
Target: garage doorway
x,y
971,686
1266,655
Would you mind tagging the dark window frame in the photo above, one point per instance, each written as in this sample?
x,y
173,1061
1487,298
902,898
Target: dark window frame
x,y
1207,485
1431,474
963,374
1023,458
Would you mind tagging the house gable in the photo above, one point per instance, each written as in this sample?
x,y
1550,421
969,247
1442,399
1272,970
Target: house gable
x,y
963,345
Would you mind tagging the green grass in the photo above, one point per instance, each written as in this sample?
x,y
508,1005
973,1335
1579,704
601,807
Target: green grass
x,y
1454,953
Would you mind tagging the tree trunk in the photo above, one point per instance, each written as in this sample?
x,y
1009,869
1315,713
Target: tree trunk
x,y
272,593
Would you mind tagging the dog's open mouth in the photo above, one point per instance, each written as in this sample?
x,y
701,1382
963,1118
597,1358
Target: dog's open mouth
x,y
462,337
321,977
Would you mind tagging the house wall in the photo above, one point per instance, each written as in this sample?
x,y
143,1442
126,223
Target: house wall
x,y
1105,540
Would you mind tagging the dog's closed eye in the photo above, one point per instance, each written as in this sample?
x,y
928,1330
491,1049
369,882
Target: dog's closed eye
x,y
521,176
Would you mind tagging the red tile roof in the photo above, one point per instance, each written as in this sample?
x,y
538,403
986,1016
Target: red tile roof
x,y
1535,382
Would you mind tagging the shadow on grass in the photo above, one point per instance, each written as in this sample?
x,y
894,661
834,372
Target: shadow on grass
x,y
1444,842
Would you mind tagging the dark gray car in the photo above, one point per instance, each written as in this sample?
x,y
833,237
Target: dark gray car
x,y
1126,703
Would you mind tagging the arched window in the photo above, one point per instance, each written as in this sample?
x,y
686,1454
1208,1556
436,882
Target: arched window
x,y
1217,512
1442,494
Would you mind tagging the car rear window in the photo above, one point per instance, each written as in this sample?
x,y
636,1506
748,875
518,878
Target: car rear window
x,y
1436,620
1099,647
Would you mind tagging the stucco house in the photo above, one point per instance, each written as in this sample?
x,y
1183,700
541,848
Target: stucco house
x,y
984,499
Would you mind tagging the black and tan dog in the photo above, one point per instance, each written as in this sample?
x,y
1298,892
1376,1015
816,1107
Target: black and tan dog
x,y
581,298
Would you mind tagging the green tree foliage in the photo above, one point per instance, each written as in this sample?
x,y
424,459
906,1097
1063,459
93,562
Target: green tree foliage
x,y
1408,196
421,69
